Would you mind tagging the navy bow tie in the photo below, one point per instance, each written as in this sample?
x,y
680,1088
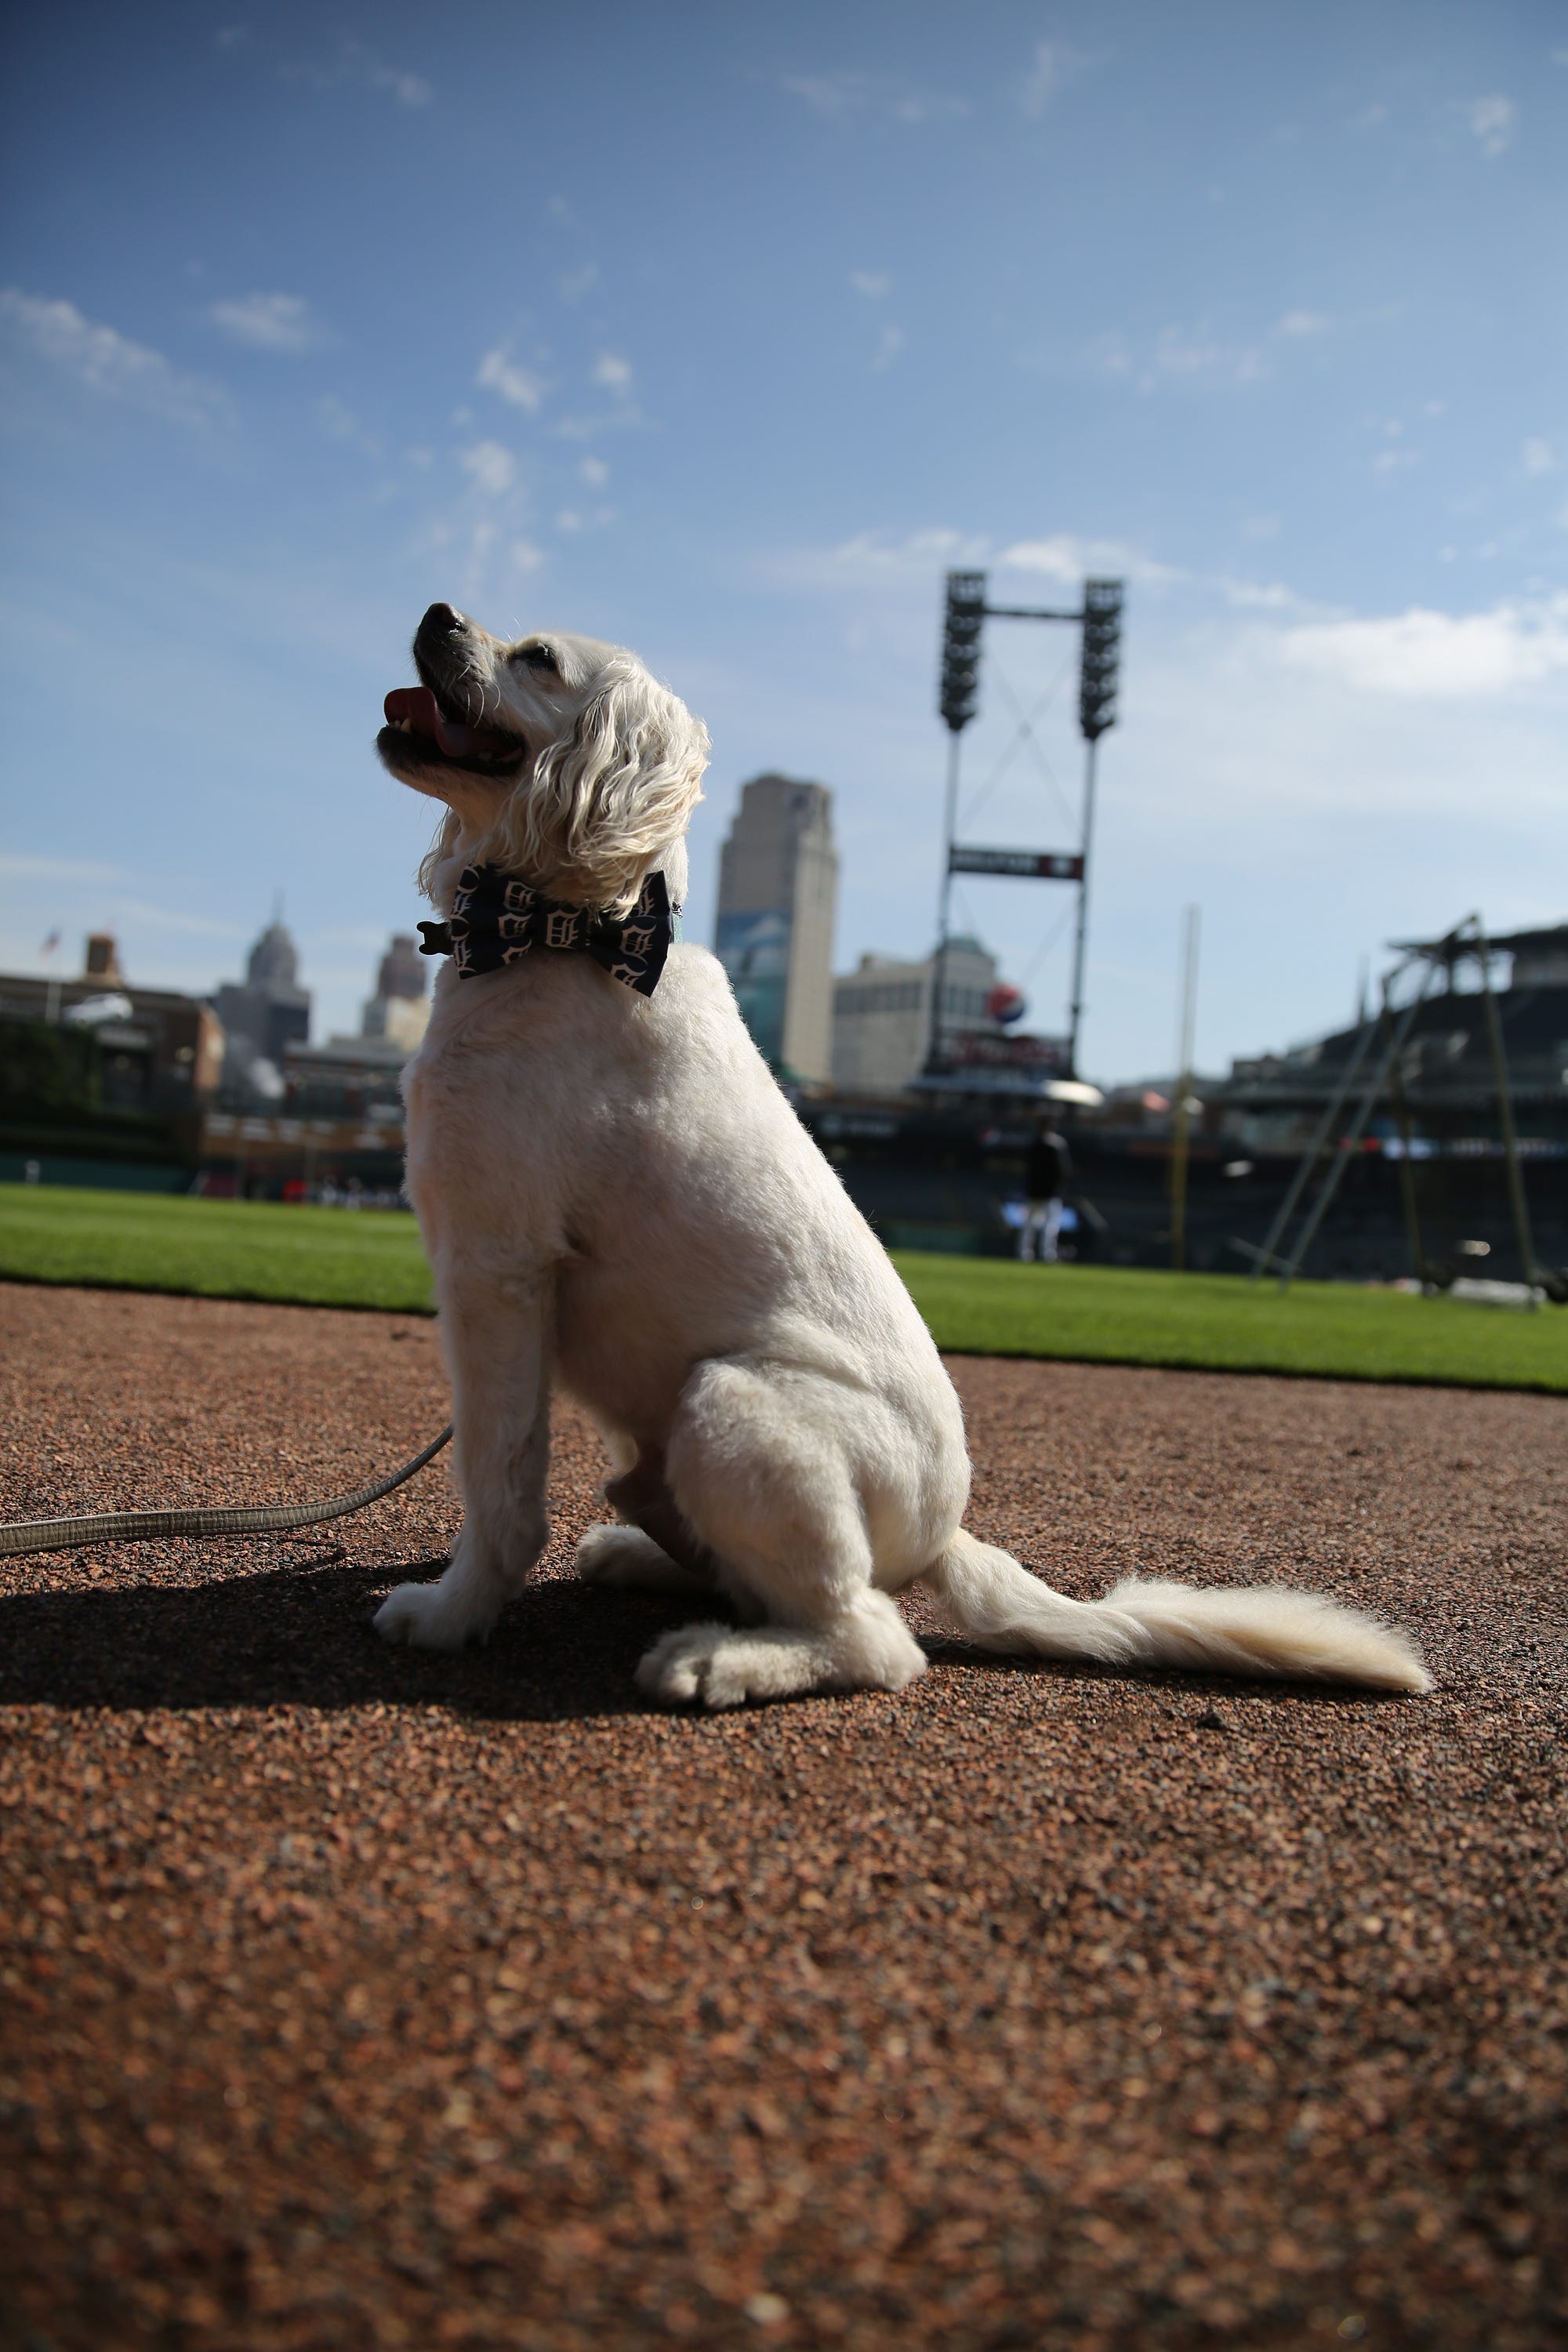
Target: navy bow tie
x,y
495,922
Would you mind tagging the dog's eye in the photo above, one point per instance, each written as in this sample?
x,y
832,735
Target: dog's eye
x,y
541,657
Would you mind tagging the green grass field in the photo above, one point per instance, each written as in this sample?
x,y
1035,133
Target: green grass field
x,y
330,1258
214,1249
1221,1322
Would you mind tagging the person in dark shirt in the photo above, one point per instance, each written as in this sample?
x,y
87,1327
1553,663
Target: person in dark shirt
x,y
1046,1171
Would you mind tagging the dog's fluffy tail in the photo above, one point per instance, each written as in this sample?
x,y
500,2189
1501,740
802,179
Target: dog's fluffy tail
x,y
1152,1621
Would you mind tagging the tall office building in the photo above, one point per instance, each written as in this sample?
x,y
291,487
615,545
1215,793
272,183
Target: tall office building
x,y
268,1011
778,892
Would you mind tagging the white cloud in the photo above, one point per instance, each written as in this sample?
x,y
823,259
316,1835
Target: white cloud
x,y
352,62
1108,355
573,284
1045,73
1491,122
339,423
1071,559
115,902
1051,65
889,344
337,419
500,374
584,428
107,361
270,322
174,918
613,373
525,556
868,562
1189,358
1537,457
872,283
409,88
59,870
1248,595
1429,656
593,470
1189,355
837,97
490,468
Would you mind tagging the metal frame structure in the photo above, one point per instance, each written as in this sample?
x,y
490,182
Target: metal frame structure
x,y
1393,1028
1099,620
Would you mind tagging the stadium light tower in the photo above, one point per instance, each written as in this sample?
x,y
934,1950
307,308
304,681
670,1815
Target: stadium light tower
x,y
962,622
963,619
1099,673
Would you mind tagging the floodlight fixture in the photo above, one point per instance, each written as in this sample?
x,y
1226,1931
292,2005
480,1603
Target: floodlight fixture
x,y
1102,658
961,625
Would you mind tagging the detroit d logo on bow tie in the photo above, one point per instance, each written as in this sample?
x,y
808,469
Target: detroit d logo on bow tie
x,y
496,921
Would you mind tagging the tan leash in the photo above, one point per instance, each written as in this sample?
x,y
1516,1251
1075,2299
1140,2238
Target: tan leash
x,y
19,1535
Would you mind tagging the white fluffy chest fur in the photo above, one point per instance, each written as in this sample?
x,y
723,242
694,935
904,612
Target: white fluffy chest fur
x,y
633,1157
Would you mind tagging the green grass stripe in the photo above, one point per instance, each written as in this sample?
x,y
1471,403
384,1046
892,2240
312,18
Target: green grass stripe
x,y
336,1257
214,1249
1221,1322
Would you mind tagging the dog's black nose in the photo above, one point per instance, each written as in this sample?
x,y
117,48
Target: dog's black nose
x,y
442,621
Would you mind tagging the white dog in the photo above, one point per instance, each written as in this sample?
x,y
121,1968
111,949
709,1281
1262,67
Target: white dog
x,y
615,1196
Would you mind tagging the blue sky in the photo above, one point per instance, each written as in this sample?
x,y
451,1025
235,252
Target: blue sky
x,y
724,331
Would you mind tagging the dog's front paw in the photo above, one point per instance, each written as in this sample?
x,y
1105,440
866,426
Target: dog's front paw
x,y
424,1616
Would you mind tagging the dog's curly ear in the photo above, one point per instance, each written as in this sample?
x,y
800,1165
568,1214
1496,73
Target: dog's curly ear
x,y
606,799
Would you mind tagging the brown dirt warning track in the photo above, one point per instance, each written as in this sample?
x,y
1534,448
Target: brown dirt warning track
x,y
355,1998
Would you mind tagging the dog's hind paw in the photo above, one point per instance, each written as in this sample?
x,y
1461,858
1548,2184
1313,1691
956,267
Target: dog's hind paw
x,y
871,1648
625,1560
697,1661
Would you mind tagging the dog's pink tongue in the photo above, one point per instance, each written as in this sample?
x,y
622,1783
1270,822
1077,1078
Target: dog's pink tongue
x,y
419,708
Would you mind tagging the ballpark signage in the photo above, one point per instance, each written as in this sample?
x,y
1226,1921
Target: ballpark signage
x,y
1033,865
989,1049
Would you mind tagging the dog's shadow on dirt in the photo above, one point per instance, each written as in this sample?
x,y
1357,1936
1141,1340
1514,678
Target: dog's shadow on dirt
x,y
302,1636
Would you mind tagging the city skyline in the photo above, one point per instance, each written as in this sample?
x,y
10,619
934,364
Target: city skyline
x,y
1253,310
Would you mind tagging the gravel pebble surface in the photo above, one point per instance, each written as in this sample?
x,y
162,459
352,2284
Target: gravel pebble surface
x,y
355,1998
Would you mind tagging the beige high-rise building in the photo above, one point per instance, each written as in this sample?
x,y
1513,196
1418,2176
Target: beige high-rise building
x,y
400,1010
778,894
881,1014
